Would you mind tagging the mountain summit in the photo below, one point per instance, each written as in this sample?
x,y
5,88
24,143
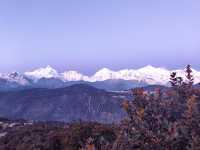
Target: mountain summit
x,y
47,72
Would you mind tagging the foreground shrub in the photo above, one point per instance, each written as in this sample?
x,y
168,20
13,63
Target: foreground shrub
x,y
168,120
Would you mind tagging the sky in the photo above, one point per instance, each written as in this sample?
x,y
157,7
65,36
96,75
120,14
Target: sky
x,y
86,35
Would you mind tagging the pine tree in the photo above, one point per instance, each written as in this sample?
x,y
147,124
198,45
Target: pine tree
x,y
189,76
173,79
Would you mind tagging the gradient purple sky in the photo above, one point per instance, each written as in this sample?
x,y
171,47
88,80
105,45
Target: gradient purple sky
x,y
86,35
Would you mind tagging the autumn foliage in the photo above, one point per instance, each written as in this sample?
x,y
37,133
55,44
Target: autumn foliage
x,y
162,120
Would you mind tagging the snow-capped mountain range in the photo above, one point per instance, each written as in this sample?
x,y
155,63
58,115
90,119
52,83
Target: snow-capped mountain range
x,y
148,74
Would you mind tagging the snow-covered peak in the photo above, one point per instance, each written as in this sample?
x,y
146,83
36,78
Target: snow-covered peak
x,y
15,77
151,69
103,74
103,71
47,72
148,67
73,76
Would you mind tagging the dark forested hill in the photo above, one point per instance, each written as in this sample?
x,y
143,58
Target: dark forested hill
x,y
77,102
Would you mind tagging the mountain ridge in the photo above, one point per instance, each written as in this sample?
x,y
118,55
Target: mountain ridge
x,y
80,101
105,78
159,75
